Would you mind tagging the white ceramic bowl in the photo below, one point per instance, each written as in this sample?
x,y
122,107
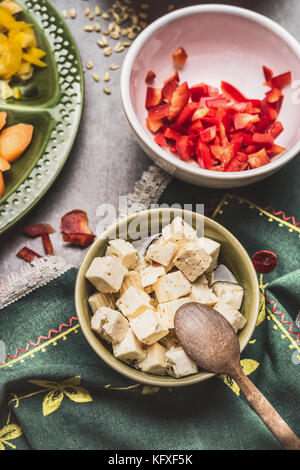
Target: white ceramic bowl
x,y
223,43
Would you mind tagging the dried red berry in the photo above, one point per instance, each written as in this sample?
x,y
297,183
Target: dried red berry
x,y
48,247
264,261
27,254
37,230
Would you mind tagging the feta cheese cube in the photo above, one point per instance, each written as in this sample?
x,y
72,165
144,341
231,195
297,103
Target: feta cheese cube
x,y
148,327
179,364
125,251
110,324
106,274
212,248
98,300
134,302
131,279
172,286
155,362
231,294
192,260
130,349
150,275
167,311
161,252
234,317
202,293
178,230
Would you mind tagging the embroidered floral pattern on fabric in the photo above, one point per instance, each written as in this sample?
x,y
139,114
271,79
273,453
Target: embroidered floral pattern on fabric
x,y
8,433
55,394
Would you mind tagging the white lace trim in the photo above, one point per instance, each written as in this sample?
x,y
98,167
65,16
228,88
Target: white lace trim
x,y
147,190
40,272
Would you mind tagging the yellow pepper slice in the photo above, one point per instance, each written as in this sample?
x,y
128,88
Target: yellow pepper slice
x,y
33,60
10,57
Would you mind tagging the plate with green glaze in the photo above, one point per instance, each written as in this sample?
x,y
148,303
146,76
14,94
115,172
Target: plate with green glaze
x,y
52,102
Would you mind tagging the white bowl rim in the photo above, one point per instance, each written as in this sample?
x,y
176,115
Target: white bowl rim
x,y
149,141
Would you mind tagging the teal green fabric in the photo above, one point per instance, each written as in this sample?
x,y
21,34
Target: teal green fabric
x,y
96,408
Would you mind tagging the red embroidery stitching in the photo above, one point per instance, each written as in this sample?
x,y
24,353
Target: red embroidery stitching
x,y
212,205
278,312
30,343
282,213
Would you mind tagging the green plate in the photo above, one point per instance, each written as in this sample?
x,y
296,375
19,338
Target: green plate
x,y
52,101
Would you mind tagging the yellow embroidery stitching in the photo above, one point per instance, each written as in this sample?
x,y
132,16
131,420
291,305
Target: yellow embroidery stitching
x,y
248,366
56,392
41,347
9,432
261,211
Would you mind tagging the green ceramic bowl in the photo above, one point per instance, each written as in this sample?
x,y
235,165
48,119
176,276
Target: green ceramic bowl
x,y
52,101
232,254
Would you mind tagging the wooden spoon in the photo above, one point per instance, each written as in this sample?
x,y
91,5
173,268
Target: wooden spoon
x,y
210,341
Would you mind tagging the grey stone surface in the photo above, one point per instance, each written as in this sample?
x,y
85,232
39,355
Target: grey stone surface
x,y
106,160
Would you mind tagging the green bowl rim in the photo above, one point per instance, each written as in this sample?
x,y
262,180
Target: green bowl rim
x,y
129,371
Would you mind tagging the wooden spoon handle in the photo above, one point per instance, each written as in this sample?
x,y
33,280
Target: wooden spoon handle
x,y
267,413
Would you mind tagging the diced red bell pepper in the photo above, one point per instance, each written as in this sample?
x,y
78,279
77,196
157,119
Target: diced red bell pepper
x,y
223,135
186,114
196,127
160,139
199,91
210,121
244,107
232,92
281,81
204,156
27,254
158,112
47,244
237,141
241,120
275,129
250,149
80,239
223,154
179,57
155,125
212,90
178,101
75,221
208,134
200,113
170,86
153,97
263,140
217,102
278,104
273,95
171,134
276,150
238,163
223,132
268,74
184,147
258,159
37,230
150,76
